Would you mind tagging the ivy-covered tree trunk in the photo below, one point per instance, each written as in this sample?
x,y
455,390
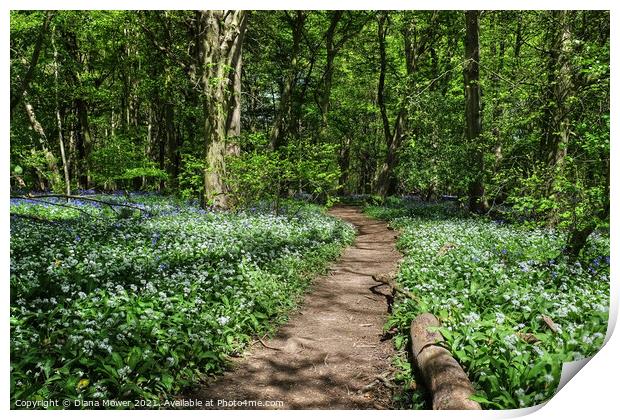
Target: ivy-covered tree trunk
x,y
473,114
220,43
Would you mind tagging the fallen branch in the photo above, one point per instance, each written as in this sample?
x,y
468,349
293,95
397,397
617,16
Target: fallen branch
x,y
33,218
74,197
67,206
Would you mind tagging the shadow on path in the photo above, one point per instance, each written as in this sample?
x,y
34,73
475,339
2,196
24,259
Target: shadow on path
x,y
331,347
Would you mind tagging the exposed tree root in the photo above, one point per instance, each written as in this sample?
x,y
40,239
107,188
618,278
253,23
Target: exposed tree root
x,y
388,279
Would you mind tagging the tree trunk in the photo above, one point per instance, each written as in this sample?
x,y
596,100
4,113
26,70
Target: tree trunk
x,y
82,134
343,161
578,236
386,181
518,37
282,118
557,132
381,33
233,130
61,142
49,156
384,171
326,82
220,43
172,141
495,87
473,115
415,47
85,142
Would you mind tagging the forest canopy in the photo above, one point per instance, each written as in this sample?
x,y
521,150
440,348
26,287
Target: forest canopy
x,y
506,110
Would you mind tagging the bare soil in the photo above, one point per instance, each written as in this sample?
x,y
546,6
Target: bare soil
x,y
333,345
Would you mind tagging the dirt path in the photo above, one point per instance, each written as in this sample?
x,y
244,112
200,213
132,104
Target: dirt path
x,y
332,346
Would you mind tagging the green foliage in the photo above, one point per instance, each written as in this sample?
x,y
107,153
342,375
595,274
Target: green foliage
x,y
40,167
121,160
191,177
140,308
256,176
314,168
489,284
262,174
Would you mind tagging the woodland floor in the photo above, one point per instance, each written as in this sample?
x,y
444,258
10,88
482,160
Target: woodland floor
x,y
333,344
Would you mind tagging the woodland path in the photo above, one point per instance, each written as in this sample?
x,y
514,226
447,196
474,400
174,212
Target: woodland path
x,y
332,346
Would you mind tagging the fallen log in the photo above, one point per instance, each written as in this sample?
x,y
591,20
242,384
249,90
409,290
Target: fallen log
x,y
446,381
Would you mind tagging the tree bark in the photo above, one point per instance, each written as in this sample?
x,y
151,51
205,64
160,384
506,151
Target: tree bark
x,y
385,169
220,44
415,47
233,124
172,141
557,124
344,158
495,87
578,235
473,115
83,138
381,34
